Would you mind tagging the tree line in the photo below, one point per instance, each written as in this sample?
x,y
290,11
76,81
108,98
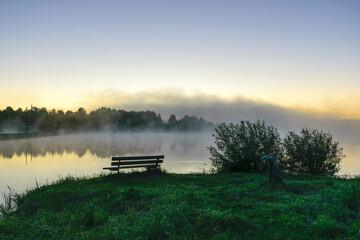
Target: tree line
x,y
102,119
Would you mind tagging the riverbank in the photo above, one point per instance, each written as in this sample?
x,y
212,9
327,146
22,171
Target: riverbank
x,y
192,206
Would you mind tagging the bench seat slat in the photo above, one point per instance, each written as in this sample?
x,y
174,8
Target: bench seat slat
x,y
135,166
137,157
117,163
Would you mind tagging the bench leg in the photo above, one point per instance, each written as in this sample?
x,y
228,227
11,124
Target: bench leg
x,y
157,163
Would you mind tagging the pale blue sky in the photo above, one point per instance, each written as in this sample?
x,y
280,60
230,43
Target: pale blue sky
x,y
299,54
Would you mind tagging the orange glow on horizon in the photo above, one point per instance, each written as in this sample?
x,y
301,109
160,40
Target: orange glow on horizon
x,y
338,106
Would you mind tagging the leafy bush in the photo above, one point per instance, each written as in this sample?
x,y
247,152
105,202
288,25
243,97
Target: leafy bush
x,y
312,152
239,147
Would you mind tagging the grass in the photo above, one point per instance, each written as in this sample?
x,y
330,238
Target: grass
x,y
8,206
157,205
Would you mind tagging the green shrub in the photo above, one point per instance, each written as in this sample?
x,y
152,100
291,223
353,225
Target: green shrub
x,y
239,147
312,152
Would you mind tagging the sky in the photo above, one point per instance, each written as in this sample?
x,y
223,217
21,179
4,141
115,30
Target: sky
x,y
295,57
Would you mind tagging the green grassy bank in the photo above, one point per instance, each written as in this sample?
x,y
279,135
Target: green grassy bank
x,y
191,206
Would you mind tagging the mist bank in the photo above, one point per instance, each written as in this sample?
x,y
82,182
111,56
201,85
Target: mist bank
x,y
217,109
183,111
283,119
106,145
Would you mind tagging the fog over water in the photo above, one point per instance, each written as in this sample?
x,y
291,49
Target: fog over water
x,y
45,159
24,162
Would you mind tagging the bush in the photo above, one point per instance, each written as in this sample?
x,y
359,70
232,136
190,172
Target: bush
x,y
312,152
241,146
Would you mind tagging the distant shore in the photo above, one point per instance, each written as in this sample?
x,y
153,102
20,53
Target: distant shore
x,y
9,136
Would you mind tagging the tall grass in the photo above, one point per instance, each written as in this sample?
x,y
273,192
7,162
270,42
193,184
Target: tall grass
x,y
8,205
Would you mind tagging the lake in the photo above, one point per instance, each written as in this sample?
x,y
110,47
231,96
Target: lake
x,y
25,162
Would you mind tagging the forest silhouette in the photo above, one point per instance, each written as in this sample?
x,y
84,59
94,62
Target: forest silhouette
x,y
102,119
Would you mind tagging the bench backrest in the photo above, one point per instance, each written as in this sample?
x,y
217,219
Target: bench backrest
x,y
134,161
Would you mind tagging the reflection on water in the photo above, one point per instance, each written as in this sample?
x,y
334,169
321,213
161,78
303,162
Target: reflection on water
x,y
350,165
102,146
24,161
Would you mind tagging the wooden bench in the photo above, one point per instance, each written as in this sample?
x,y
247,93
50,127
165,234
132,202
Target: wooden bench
x,y
135,162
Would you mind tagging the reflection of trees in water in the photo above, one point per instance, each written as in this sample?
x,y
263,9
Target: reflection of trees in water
x,y
186,141
123,146
100,145
172,145
186,144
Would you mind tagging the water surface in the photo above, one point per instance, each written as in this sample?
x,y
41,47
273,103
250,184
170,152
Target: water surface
x,y
25,162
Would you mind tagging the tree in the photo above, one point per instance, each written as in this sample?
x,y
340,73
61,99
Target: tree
x,y
172,123
312,152
239,147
